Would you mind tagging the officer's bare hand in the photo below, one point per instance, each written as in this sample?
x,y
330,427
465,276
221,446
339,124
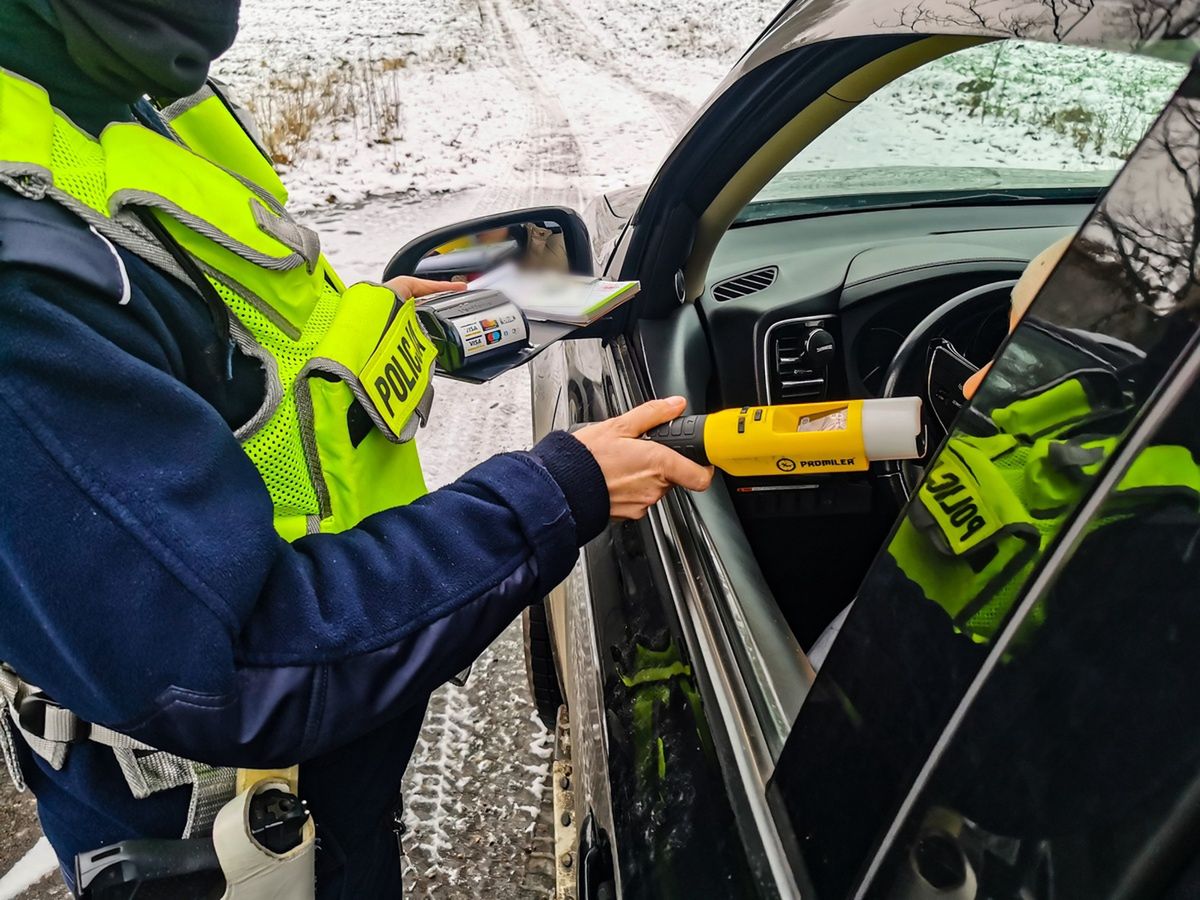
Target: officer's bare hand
x,y
638,472
407,286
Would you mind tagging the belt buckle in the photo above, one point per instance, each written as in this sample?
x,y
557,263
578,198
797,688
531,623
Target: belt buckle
x,y
32,712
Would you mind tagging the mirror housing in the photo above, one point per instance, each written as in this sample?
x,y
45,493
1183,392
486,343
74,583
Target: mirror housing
x,y
418,256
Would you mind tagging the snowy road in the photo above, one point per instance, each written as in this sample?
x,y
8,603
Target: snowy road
x,y
506,103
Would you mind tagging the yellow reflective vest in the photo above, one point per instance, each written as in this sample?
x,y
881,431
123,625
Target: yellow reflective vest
x,y
332,356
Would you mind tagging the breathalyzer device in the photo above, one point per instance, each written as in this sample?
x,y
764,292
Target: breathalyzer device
x,y
798,438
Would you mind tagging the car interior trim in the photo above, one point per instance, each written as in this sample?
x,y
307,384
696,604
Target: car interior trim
x,y
890,281
918,337
1177,384
751,282
764,380
923,269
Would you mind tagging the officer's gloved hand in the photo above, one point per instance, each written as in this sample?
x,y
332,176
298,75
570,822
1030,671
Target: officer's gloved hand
x,y
638,473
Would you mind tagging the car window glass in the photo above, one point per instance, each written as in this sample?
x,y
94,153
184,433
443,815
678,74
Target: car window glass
x,y
1075,774
1110,322
1022,117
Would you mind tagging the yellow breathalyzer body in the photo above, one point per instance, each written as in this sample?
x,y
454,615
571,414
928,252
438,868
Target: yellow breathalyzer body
x,y
798,438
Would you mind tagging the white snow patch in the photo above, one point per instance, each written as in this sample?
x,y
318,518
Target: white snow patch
x,y
1007,105
453,96
31,868
539,749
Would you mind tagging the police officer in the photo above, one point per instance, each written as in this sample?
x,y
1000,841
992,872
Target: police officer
x,y
216,548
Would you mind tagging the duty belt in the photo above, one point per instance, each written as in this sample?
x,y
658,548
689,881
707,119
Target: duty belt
x,y
50,730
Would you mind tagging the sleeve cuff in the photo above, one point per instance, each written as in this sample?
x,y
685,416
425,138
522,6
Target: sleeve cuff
x,y
578,476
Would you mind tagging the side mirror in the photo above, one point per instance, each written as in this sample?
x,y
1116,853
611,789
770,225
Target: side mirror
x,y
548,238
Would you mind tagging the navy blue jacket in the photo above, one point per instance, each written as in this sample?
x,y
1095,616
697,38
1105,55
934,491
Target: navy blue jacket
x,y
142,583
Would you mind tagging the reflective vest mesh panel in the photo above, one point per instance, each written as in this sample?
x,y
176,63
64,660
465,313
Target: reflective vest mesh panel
x,y
78,167
1011,466
276,449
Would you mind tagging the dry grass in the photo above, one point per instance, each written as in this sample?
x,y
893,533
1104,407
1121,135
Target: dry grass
x,y
290,109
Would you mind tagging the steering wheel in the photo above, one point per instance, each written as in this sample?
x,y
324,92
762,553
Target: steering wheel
x,y
929,366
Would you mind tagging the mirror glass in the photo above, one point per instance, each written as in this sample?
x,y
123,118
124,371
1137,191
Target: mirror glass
x,y
533,246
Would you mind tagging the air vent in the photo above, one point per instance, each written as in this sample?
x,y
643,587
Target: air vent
x,y
795,374
744,284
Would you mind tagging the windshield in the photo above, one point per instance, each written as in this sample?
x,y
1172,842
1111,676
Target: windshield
x,y
1006,121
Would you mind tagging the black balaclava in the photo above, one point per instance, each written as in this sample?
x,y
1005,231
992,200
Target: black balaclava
x,y
97,57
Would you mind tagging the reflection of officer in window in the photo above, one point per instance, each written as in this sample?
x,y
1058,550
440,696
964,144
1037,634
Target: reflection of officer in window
x,y
961,557
1068,754
1076,747
991,503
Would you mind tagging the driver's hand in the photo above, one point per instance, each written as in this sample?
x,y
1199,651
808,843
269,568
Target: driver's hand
x,y
406,286
638,473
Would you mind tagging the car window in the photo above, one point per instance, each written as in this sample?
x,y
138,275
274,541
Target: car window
x,y
1114,317
1075,773
1022,118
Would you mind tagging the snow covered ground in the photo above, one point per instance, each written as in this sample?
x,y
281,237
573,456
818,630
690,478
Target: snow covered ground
x,y
1008,105
500,101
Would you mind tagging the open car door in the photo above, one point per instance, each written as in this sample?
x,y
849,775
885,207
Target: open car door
x,y
1000,715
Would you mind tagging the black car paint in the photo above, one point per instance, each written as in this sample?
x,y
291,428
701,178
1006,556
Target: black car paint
x,y
899,670
673,826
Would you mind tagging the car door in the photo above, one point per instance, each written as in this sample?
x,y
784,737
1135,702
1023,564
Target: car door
x,y
1050,754
1070,767
651,778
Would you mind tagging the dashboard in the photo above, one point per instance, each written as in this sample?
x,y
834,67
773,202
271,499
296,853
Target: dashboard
x,y
815,308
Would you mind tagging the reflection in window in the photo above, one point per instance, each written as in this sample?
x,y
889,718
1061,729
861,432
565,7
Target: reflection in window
x,y
1110,324
1076,773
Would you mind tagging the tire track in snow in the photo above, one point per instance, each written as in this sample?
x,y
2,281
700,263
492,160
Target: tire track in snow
x,y
551,151
476,782
478,787
671,110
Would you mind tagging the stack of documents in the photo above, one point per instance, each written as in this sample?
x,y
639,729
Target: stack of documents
x,y
555,297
